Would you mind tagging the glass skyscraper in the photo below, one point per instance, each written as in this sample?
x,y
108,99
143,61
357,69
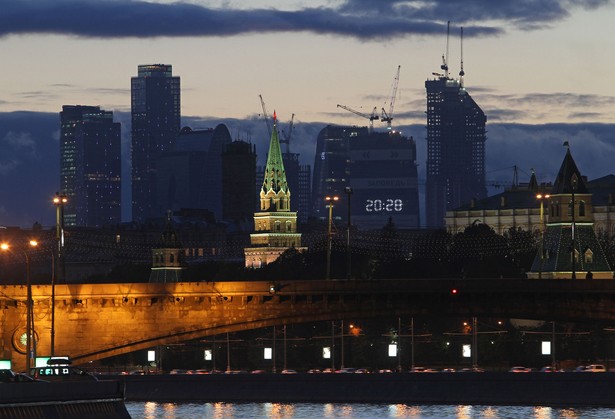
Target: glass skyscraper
x,y
455,149
155,109
90,166
378,167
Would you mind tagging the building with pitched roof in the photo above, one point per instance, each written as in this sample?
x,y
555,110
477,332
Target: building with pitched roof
x,y
517,207
167,256
569,247
275,225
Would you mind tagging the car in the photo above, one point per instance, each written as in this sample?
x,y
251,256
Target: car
x,y
289,371
314,371
473,369
448,370
346,370
385,371
60,369
361,371
595,368
519,369
548,368
417,369
9,376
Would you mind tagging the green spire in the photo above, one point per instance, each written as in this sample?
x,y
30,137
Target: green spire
x,y
275,187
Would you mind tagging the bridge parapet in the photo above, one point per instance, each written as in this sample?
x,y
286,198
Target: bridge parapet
x,y
94,321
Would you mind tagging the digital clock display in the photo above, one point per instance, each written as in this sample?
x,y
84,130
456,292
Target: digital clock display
x,y
372,208
384,205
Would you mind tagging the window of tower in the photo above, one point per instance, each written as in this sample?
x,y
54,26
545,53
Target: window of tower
x,y
588,256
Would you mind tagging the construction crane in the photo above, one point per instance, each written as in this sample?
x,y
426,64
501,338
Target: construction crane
x,y
287,134
265,115
373,117
444,65
388,117
461,72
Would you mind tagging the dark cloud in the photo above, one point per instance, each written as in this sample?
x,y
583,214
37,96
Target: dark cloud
x,y
361,19
542,106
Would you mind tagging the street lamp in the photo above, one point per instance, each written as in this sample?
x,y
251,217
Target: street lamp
x,y
573,183
330,200
542,197
348,191
59,201
30,345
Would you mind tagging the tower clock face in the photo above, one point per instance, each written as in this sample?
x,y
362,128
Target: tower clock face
x,y
20,340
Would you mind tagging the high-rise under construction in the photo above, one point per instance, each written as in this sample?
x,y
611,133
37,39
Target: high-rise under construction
x,y
455,147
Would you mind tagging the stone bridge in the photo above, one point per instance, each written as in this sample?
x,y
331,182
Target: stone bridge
x,y
95,321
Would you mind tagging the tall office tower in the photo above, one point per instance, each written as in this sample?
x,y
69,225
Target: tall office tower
x,y
331,171
238,178
455,147
275,225
90,166
155,109
189,174
378,167
298,177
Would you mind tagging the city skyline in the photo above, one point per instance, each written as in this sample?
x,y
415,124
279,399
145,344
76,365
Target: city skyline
x,y
534,68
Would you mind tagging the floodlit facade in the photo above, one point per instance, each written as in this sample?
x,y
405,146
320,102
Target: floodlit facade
x,y
275,225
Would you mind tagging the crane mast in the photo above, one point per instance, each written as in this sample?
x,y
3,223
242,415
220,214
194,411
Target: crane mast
x,y
461,72
265,115
444,65
288,134
388,117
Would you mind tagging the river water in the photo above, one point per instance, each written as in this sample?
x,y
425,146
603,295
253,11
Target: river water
x,y
152,410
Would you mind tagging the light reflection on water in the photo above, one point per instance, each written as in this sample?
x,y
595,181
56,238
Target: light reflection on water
x,y
152,410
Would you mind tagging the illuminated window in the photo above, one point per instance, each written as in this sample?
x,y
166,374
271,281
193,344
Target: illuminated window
x,y
588,256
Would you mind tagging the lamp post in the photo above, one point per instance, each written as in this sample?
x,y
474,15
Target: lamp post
x,y
58,201
573,183
30,345
542,197
342,336
474,343
330,200
348,191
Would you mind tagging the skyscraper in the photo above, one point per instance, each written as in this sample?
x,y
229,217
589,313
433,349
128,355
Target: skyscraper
x,y
455,148
298,177
90,166
189,174
238,178
155,109
378,167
